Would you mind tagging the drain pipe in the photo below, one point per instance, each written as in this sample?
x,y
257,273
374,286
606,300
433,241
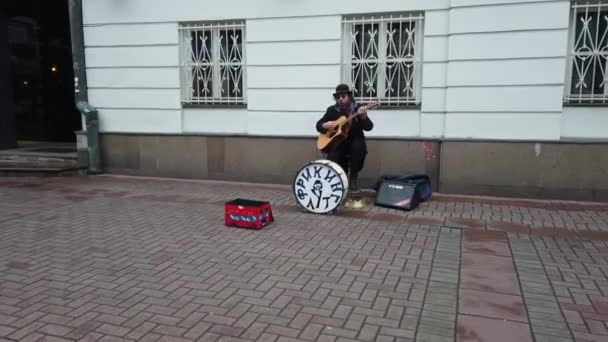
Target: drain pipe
x,y
88,150
92,127
77,37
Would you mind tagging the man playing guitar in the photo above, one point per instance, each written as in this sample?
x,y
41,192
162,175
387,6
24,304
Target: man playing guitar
x,y
349,154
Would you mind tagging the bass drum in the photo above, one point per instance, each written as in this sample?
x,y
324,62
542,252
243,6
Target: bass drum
x,y
320,186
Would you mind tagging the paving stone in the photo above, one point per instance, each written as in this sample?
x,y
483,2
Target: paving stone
x,y
442,299
368,332
492,305
5,331
396,332
472,328
549,324
545,330
431,327
550,338
543,309
436,315
540,294
421,337
311,332
542,316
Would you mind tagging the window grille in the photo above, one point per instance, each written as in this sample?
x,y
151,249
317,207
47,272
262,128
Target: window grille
x,y
587,79
212,63
382,58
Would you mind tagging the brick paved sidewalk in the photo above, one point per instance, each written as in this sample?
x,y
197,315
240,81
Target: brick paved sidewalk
x,y
112,259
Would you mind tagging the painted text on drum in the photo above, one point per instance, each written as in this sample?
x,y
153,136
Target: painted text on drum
x,y
320,186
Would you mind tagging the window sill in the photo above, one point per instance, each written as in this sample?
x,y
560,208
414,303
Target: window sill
x,y
390,106
586,104
215,105
399,107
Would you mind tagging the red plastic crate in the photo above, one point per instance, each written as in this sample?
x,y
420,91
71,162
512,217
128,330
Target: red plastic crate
x,y
248,214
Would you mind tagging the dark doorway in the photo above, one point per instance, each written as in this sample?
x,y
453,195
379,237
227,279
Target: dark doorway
x,y
41,71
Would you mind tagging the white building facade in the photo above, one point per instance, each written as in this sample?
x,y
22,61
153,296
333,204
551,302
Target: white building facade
x,y
506,97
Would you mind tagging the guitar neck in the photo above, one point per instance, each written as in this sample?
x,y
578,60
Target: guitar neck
x,y
369,107
350,118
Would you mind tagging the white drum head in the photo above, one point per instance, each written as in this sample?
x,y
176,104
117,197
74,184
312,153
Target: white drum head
x,y
320,186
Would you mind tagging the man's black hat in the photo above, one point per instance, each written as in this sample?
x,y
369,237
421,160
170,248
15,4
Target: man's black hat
x,y
343,89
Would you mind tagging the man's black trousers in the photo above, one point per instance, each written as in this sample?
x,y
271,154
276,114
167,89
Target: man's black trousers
x,y
350,155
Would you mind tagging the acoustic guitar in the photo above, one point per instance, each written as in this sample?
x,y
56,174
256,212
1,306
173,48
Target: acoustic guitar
x,y
332,137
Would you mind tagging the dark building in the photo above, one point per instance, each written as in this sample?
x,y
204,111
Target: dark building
x,y
37,76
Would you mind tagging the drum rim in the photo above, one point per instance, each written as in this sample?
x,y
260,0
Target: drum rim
x,y
293,183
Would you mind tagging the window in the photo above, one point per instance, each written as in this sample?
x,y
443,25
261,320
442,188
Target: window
x,y
587,81
212,62
381,58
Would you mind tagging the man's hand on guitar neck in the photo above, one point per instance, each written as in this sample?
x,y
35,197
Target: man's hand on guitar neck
x,y
362,111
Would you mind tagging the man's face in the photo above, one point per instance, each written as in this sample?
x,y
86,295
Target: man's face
x,y
343,99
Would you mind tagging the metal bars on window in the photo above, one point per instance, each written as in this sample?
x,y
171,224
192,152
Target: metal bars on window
x,y
588,54
381,58
212,63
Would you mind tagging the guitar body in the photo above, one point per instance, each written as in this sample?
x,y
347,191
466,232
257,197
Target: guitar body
x,y
327,141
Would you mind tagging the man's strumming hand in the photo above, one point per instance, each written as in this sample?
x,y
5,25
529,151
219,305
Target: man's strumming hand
x,y
329,125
